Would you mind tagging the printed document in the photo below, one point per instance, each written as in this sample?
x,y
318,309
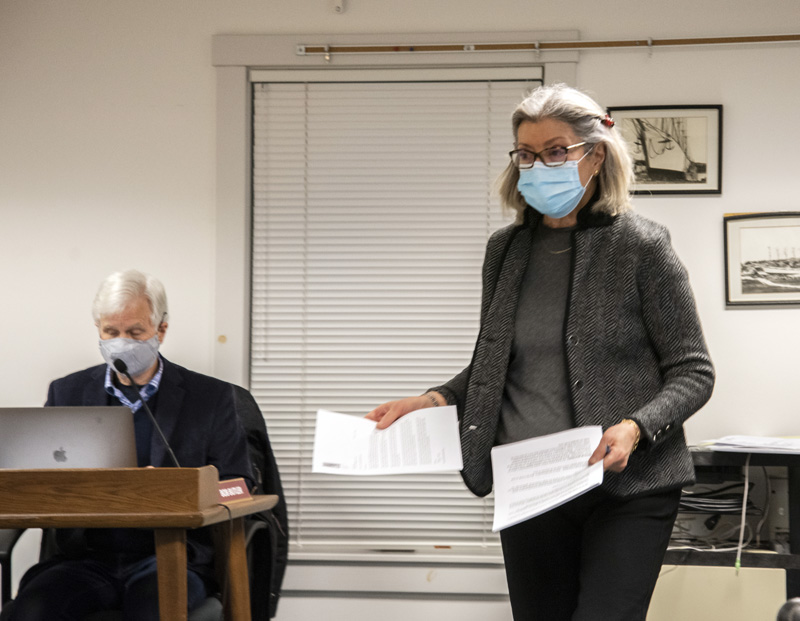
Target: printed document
x,y
425,440
753,444
536,475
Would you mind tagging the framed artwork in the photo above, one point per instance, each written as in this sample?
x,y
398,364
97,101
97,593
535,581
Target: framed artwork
x,y
675,149
762,258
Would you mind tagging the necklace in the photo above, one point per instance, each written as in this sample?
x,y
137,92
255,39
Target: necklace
x,y
560,251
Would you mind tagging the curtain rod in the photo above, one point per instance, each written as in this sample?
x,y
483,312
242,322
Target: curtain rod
x,y
538,46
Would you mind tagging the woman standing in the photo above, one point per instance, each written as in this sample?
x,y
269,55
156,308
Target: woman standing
x,y
587,318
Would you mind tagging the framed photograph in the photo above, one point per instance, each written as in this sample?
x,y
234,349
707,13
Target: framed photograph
x,y
675,149
762,258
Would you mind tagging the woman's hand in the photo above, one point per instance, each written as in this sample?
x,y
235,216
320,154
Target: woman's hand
x,y
616,447
390,411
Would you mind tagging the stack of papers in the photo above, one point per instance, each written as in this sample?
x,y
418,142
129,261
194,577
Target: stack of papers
x,y
754,444
536,475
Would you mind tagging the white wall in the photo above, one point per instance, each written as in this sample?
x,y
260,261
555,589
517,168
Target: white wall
x,y
107,161
754,350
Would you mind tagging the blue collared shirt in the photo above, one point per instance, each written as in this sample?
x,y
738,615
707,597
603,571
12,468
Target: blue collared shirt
x,y
145,392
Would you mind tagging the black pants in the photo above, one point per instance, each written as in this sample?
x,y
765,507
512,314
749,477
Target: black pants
x,y
596,558
69,590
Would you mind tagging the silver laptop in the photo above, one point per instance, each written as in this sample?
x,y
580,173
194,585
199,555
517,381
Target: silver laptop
x,y
67,437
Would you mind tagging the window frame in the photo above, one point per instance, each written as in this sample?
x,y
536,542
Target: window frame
x,y
235,58
241,61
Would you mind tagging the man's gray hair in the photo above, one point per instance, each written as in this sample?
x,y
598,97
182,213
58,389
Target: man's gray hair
x,y
121,288
584,115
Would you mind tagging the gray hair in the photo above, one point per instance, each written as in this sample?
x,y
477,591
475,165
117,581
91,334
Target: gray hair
x,y
121,288
584,115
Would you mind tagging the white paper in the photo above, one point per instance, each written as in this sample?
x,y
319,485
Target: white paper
x,y
754,444
425,440
536,475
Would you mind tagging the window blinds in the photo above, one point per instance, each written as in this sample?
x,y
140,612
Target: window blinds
x,y
372,204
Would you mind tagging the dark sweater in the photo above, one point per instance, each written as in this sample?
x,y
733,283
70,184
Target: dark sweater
x,y
536,399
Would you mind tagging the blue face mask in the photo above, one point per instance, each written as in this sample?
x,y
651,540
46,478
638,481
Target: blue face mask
x,y
552,191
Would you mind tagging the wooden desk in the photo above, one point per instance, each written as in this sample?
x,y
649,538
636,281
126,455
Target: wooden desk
x,y
720,460
168,500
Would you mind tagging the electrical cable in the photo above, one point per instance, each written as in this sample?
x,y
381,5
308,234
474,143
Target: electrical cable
x,y
710,505
712,541
738,563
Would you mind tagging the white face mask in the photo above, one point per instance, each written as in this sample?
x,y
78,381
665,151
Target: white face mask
x,y
137,355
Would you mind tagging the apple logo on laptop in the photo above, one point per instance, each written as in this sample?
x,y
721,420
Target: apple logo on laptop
x,y
60,455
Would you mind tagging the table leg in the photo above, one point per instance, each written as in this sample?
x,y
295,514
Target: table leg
x,y
232,566
171,563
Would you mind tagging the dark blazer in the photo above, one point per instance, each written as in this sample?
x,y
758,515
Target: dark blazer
x,y
633,341
198,418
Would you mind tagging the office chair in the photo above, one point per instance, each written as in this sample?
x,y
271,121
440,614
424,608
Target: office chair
x,y
8,539
267,533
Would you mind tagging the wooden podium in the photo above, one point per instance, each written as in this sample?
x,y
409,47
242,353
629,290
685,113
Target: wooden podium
x,y
168,500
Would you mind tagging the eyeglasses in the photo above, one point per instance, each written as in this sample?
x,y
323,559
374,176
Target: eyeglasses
x,y
554,156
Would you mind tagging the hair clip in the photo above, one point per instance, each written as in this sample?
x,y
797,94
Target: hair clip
x,y
607,121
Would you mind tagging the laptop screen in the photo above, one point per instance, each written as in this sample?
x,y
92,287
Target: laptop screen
x,y
67,437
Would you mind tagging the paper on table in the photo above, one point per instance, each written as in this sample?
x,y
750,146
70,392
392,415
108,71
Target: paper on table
x,y
536,475
425,440
754,444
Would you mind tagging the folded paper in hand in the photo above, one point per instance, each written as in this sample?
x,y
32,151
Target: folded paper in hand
x,y
421,441
536,475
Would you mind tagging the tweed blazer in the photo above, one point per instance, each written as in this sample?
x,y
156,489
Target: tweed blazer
x,y
633,342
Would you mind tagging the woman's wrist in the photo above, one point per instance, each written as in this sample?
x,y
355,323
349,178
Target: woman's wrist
x,y
435,399
635,425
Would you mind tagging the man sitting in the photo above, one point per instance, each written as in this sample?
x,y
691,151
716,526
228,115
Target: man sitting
x,y
109,569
